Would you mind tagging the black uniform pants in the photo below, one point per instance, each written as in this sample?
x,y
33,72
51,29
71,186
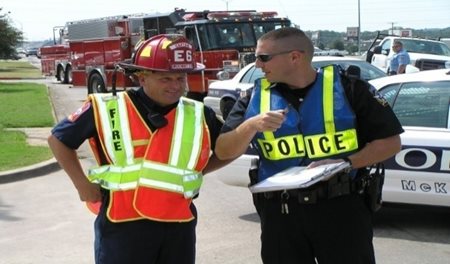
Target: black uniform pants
x,y
331,231
144,241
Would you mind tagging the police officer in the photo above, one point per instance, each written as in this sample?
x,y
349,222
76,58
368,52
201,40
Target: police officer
x,y
301,116
399,60
152,146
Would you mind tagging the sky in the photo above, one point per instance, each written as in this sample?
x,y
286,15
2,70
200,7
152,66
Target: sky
x,y
37,18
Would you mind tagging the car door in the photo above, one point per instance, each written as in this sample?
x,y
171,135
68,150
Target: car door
x,y
420,172
381,59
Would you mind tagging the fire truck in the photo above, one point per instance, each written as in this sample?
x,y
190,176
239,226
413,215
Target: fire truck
x,y
55,58
224,41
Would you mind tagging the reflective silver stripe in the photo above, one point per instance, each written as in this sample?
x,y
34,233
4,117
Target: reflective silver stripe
x,y
115,169
191,194
107,131
165,168
197,134
116,186
176,146
125,126
105,125
191,177
162,185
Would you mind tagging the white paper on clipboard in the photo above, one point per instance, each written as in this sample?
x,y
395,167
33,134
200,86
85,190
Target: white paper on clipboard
x,y
298,177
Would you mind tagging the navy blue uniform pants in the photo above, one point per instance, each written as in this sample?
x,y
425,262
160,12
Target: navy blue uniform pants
x,y
333,231
144,241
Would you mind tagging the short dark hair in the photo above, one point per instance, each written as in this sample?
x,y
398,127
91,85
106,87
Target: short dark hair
x,y
398,42
292,39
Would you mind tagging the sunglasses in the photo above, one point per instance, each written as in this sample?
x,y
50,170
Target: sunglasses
x,y
268,57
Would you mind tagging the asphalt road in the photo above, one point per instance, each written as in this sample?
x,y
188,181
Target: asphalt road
x,y
42,220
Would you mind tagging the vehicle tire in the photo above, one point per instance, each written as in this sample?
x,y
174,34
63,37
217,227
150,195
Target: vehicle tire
x,y
68,75
226,104
96,84
60,74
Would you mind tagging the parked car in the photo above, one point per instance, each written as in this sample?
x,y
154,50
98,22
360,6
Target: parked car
x,y
32,51
420,173
223,94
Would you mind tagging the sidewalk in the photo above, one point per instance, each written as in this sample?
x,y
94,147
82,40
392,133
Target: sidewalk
x,y
35,137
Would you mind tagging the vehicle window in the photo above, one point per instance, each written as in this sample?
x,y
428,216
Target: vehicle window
x,y
386,46
423,104
423,46
251,75
390,93
368,71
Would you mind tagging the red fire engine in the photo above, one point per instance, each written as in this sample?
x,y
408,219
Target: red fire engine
x,y
224,40
55,58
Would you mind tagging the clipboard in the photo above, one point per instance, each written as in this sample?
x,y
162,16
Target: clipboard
x,y
299,177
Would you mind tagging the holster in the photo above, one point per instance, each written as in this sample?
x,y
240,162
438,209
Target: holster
x,y
253,175
374,187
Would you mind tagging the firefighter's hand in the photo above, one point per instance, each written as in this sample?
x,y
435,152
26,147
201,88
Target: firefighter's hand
x,y
269,121
89,192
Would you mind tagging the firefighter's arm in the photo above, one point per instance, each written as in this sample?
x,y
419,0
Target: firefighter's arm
x,y
234,143
214,164
69,162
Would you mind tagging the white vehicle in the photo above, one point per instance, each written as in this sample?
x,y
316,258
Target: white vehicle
x,y
223,94
420,173
424,54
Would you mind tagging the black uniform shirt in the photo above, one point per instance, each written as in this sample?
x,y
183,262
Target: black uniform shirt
x,y
374,117
79,126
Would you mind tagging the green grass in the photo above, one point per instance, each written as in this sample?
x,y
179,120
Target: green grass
x,y
17,153
18,69
23,105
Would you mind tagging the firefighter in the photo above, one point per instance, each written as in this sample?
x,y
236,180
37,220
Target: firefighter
x,y
301,116
152,146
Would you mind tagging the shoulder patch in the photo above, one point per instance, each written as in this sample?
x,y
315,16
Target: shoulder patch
x,y
75,115
377,96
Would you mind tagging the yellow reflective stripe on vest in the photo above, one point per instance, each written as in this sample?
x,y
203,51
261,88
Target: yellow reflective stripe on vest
x,y
174,179
116,131
265,104
115,177
186,133
330,144
283,147
328,102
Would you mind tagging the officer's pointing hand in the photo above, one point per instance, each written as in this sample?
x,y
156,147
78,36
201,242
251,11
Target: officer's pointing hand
x,y
269,121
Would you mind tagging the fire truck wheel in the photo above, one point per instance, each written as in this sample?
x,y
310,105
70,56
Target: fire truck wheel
x,y
61,74
68,75
226,104
96,84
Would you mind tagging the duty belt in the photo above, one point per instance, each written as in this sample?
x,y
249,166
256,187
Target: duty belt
x,y
338,185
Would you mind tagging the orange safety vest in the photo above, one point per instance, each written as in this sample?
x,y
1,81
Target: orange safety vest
x,y
149,175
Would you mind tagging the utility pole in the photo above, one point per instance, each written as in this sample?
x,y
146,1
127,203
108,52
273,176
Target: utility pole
x,y
359,28
392,27
226,3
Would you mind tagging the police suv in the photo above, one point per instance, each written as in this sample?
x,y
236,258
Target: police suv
x,y
420,172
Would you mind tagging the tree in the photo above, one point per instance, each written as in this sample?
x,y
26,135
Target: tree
x,y
338,44
10,37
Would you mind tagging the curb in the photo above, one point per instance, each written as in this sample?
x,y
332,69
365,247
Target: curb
x,y
28,172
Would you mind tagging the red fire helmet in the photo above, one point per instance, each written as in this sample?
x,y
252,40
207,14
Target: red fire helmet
x,y
166,52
